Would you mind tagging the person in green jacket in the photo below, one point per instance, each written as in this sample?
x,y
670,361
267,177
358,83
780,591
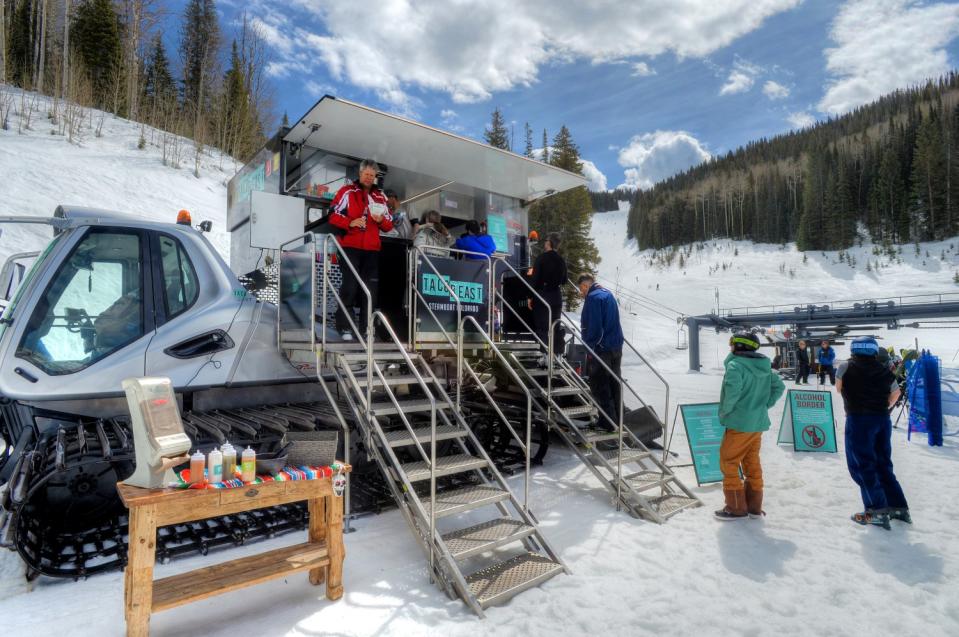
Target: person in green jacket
x,y
750,389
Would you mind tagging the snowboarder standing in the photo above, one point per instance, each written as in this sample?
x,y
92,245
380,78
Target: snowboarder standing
x,y
802,358
826,359
750,389
868,390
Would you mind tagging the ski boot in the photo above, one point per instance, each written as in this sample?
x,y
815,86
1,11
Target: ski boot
x,y
878,518
901,514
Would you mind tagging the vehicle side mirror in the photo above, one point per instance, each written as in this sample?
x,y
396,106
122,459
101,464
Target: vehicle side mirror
x,y
205,226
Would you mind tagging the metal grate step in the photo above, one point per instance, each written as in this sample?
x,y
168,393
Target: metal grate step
x,y
464,499
600,435
566,391
672,503
402,437
577,411
629,455
643,480
486,536
407,406
502,581
360,357
447,465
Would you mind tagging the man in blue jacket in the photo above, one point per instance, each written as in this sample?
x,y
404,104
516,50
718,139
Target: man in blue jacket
x,y
603,334
475,241
826,360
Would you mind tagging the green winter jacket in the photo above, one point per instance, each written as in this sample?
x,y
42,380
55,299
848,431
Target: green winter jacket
x,y
750,389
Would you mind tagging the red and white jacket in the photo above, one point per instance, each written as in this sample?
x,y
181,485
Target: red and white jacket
x,y
352,202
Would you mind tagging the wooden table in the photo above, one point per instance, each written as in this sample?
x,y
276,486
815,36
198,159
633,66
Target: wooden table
x,y
322,555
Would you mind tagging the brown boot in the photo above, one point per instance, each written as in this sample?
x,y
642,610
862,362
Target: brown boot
x,y
735,508
754,502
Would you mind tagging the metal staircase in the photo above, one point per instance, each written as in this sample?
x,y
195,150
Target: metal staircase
x,y
637,478
483,544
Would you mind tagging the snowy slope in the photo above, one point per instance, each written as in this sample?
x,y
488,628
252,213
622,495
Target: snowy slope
x,y
805,570
41,170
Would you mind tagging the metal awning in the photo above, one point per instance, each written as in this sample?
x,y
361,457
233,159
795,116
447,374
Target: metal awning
x,y
354,130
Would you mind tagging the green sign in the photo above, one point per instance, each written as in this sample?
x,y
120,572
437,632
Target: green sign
x,y
705,435
466,291
496,228
808,421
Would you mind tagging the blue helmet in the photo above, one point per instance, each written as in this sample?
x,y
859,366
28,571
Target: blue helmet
x,y
864,346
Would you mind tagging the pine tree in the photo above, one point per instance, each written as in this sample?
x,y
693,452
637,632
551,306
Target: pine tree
x,y
929,180
199,43
21,43
95,37
158,83
545,147
569,214
528,150
285,123
496,133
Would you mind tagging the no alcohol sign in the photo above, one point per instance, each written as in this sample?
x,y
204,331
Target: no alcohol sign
x,y
808,422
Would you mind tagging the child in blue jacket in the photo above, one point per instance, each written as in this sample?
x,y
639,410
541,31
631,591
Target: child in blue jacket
x,y
826,360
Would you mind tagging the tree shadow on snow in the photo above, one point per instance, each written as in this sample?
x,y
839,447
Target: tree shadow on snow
x,y
747,550
892,553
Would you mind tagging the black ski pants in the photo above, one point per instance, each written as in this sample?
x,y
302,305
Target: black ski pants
x,y
605,388
367,264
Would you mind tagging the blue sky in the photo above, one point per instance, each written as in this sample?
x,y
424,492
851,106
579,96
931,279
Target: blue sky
x,y
647,87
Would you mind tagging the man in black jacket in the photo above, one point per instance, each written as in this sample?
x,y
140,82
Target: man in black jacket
x,y
549,275
868,390
802,363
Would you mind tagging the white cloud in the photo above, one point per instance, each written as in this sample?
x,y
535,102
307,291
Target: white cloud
x,y
641,69
775,90
595,179
486,46
801,119
882,45
741,78
447,113
652,157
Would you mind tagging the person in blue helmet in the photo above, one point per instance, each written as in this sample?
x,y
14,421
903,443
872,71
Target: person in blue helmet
x,y
869,389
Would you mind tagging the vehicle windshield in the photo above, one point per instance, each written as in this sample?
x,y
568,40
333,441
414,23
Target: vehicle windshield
x,y
8,313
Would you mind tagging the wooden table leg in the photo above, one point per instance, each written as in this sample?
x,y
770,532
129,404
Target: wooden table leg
x,y
318,534
138,579
334,543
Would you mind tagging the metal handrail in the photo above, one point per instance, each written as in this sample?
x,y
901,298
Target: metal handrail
x,y
529,401
549,337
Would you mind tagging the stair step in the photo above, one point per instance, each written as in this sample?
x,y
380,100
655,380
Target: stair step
x,y
360,357
465,499
536,371
486,536
644,480
600,435
566,391
629,455
402,437
387,408
393,381
357,347
446,465
518,346
577,411
672,503
502,581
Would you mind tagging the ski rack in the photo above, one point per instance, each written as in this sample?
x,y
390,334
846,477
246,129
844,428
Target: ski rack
x,y
397,429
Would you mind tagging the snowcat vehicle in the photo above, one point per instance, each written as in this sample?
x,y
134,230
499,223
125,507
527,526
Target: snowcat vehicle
x,y
448,389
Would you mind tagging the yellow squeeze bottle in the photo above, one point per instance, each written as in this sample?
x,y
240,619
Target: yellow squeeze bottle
x,y
248,465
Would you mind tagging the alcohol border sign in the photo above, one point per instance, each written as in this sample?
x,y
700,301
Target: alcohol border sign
x,y
704,434
808,422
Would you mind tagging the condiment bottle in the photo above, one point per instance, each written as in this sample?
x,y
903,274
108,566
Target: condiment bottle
x,y
248,464
229,461
215,466
197,464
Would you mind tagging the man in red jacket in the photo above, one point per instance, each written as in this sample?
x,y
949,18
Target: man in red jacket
x,y
360,211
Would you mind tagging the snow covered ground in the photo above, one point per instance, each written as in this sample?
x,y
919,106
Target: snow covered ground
x,y
805,570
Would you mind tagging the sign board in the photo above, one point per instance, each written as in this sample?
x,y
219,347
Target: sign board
x,y
705,435
496,228
275,219
469,281
808,422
